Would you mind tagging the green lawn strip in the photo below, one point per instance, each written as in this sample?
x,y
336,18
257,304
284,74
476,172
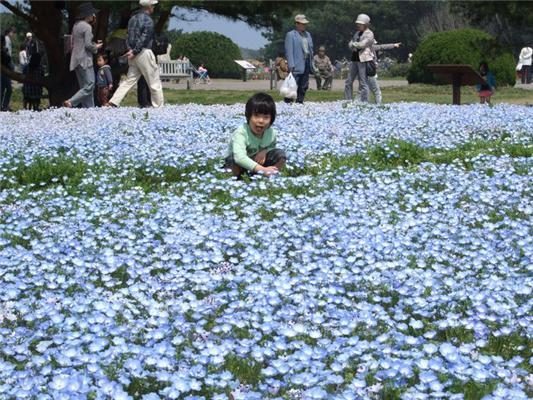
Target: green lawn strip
x,y
70,171
439,94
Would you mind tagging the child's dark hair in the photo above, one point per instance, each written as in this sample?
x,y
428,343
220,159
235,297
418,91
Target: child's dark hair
x,y
35,61
260,103
484,64
104,57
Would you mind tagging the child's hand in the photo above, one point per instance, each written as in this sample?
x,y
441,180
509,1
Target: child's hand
x,y
268,171
260,157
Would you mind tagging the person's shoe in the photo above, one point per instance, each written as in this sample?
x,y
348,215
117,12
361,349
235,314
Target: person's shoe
x,y
67,104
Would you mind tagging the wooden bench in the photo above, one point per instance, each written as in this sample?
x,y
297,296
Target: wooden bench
x,y
457,75
175,69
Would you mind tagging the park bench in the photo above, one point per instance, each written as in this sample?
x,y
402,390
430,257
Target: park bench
x,y
175,69
457,75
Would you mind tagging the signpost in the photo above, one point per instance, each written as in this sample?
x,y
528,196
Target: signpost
x,y
245,65
457,75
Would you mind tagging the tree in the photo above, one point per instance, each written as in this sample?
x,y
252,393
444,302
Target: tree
x,y
50,20
215,50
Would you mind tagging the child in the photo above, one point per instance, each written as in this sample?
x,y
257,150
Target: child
x,y
253,145
486,90
32,93
104,79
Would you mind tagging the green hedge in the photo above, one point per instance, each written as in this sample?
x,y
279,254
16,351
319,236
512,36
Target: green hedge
x,y
463,46
216,51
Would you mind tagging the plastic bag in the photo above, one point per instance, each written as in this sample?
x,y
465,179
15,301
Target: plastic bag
x,y
289,87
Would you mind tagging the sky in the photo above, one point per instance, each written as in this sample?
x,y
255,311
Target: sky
x,y
241,33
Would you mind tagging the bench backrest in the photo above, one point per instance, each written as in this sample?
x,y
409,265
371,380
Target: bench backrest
x,y
174,68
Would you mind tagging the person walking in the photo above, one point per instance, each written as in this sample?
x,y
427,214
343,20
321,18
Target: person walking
x,y
361,46
299,51
81,59
323,69
141,59
9,36
526,55
6,88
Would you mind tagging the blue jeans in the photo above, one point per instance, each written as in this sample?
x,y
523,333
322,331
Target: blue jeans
x,y
85,95
6,89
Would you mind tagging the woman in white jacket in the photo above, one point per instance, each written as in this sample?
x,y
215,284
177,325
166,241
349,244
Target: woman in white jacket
x,y
525,61
361,46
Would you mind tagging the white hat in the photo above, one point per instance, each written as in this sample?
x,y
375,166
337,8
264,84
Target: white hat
x,y
29,35
362,19
145,3
302,19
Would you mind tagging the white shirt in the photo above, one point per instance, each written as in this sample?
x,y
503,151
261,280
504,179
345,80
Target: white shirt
x,y
526,55
23,58
9,45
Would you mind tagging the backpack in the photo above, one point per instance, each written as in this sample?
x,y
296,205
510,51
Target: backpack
x,y
160,44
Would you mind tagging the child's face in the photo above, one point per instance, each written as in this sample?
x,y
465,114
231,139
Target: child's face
x,y
100,61
259,123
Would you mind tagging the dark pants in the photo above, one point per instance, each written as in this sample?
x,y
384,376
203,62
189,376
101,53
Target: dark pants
x,y
526,74
6,89
143,93
102,93
302,80
272,158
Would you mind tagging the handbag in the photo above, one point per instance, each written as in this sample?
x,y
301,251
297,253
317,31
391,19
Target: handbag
x,y
371,68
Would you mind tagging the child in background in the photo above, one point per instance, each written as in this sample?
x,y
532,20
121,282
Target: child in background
x,y
104,80
203,75
486,90
253,145
32,93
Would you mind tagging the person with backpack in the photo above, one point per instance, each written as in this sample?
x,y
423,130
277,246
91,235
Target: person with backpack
x,y
141,58
81,57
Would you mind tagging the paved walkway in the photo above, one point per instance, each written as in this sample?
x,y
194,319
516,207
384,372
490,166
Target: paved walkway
x,y
235,84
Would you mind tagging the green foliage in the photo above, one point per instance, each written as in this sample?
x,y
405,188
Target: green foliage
x,y
215,50
395,70
246,371
462,46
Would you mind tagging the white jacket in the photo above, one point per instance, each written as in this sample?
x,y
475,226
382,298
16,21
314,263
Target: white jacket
x,y
525,56
364,45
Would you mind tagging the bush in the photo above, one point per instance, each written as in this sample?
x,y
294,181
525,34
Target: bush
x,y
395,70
463,46
216,51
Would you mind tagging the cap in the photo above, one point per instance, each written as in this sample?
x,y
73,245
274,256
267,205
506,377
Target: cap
x,y
145,3
302,19
29,35
362,19
86,10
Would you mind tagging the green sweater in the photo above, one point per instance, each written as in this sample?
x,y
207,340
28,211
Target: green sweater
x,y
245,144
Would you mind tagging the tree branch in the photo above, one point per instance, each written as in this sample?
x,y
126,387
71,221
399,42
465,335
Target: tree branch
x,y
18,12
22,78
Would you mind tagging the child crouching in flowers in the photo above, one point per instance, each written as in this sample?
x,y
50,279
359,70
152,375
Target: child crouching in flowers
x,y
253,145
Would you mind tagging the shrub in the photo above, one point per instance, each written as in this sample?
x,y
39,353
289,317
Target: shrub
x,y
463,46
395,70
215,50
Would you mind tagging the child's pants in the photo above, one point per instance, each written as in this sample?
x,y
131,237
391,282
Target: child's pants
x,y
102,93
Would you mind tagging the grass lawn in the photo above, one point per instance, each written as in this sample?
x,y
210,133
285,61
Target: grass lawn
x,y
411,93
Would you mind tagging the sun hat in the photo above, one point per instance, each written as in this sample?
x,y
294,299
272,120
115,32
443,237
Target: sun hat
x,y
145,3
362,19
302,19
86,10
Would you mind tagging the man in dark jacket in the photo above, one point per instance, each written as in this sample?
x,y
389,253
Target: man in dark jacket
x,y
141,59
6,89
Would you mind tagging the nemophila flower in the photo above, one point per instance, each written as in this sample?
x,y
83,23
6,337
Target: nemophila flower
x,y
381,271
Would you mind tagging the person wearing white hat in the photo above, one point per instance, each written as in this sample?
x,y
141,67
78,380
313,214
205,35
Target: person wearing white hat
x,y
81,57
141,58
299,52
524,60
361,46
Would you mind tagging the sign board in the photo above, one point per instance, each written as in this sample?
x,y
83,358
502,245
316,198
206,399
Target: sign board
x,y
457,75
245,64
